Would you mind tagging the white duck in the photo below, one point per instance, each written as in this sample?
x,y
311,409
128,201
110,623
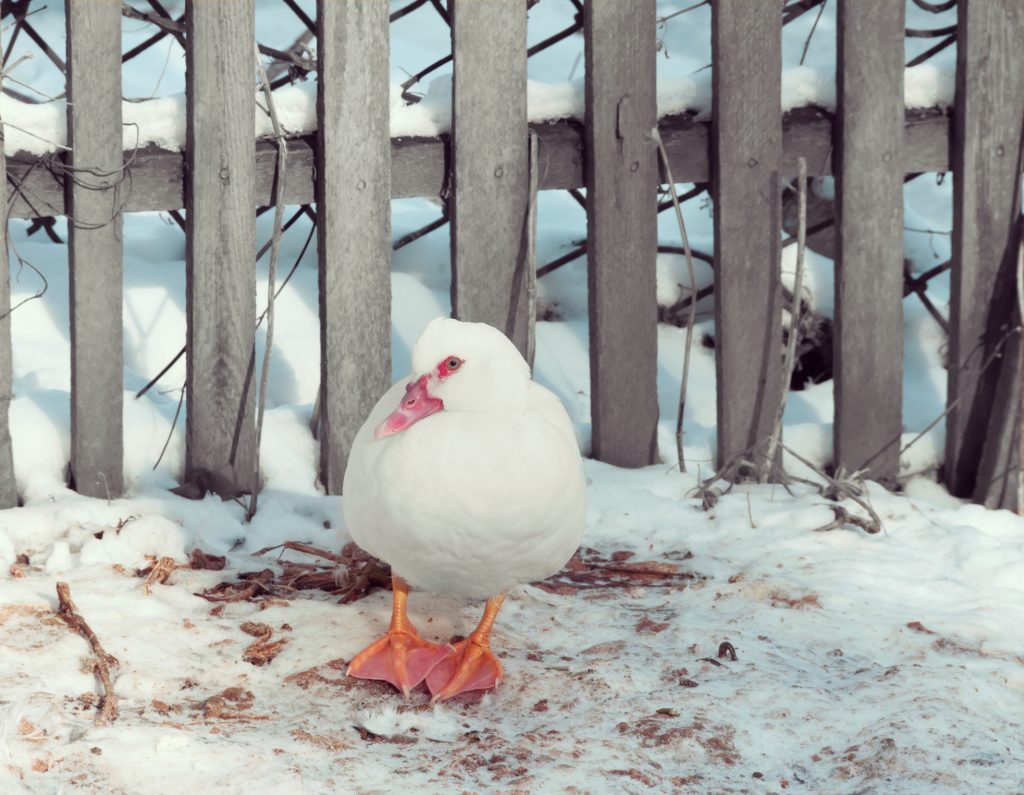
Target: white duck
x,y
466,478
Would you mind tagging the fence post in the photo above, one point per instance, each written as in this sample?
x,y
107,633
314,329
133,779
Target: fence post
x,y
746,132
869,242
221,243
490,139
986,207
8,484
353,194
94,197
621,176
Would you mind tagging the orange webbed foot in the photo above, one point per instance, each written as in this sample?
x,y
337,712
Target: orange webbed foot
x,y
402,658
469,666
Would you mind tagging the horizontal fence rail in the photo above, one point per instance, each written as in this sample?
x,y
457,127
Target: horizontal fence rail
x,y
419,165
487,171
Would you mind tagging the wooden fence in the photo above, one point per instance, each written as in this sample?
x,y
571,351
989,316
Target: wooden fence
x,y
484,169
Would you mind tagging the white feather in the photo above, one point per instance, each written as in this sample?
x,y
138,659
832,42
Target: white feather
x,y
485,494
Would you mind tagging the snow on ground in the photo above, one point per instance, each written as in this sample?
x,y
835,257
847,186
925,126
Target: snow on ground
x,y
864,663
887,662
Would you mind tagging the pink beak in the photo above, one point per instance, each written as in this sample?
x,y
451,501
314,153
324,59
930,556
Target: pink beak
x,y
417,404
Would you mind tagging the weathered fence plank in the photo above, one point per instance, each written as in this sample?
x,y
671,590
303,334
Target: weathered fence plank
x,y
869,238
8,484
94,246
221,243
746,154
531,255
986,205
419,165
490,151
353,193
621,176
997,482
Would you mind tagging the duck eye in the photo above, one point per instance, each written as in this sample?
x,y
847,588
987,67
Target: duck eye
x,y
453,363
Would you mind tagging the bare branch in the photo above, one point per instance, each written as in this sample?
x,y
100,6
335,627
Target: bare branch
x,y
69,614
275,249
693,303
794,312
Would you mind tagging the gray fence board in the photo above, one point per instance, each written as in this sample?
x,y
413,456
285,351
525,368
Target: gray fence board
x,y
8,484
490,152
986,204
621,177
998,469
869,241
747,151
354,223
419,165
221,243
94,247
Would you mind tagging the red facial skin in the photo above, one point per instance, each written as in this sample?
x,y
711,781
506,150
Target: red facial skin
x,y
418,403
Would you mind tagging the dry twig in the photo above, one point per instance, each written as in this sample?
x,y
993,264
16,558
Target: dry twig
x,y
1020,409
842,488
275,249
994,355
159,572
262,650
69,614
531,272
252,583
588,569
844,518
794,316
174,27
200,560
352,574
693,300
307,549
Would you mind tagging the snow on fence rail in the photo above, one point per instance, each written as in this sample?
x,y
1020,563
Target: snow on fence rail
x,y
484,169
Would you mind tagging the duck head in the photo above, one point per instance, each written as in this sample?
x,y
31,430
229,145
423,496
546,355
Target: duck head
x,y
459,366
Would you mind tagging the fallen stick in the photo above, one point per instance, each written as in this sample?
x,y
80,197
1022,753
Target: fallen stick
x,y
69,614
308,549
159,572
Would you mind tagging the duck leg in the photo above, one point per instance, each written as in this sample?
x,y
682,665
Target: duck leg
x,y
401,657
470,665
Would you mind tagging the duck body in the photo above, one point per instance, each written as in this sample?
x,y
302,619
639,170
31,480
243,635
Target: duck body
x,y
476,499
469,502
466,478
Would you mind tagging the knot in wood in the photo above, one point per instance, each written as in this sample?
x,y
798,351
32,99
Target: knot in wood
x,y
623,115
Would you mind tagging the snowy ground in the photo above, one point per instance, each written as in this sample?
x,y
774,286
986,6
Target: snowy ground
x,y
889,662
864,663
